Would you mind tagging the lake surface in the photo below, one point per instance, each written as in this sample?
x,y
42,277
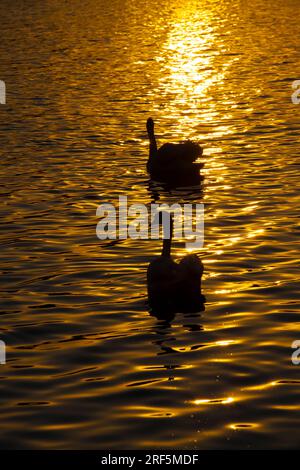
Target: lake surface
x,y
87,365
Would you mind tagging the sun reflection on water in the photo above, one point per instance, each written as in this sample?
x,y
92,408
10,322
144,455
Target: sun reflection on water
x,y
214,401
84,346
188,57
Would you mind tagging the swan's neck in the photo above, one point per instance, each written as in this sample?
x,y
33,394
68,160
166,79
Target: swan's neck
x,y
152,144
166,251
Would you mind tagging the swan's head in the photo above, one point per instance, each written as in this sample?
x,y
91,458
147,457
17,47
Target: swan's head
x,y
150,125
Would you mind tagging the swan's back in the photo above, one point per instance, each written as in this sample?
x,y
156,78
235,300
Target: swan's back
x,y
175,287
162,274
163,281
181,154
174,164
192,265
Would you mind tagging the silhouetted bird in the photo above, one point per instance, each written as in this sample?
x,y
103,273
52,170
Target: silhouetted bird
x,y
173,163
174,287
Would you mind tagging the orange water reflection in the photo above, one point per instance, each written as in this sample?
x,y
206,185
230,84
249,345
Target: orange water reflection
x,y
87,365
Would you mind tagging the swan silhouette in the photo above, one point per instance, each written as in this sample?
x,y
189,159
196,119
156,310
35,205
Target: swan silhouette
x,y
173,163
174,287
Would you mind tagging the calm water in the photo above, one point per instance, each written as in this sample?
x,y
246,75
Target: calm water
x,y
87,365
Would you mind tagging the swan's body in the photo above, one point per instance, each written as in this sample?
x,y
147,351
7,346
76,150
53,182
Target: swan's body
x,y
173,163
174,287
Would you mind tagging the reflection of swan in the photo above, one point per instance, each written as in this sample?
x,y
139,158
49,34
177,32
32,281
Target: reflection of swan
x,y
169,194
174,287
173,163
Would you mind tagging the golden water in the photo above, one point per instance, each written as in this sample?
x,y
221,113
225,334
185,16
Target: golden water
x,y
87,366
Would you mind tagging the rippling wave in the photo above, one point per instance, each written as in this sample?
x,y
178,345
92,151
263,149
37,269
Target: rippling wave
x,y
87,365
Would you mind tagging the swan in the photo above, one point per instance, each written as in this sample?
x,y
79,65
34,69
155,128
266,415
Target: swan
x,y
173,163
174,287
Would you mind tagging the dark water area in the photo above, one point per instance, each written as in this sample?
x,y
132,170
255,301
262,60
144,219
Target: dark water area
x,y
87,365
